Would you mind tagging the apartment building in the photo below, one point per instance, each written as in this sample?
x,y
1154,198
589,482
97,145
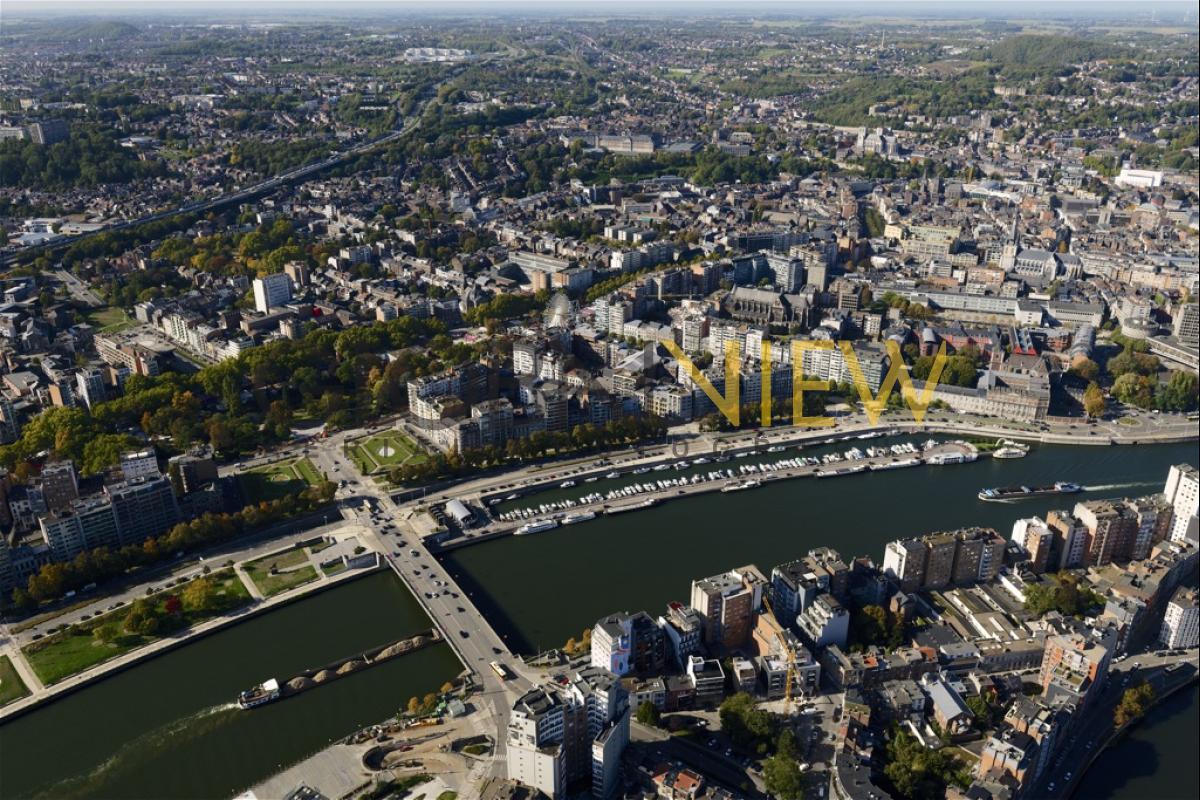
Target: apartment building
x,y
1073,667
629,644
727,603
561,736
904,562
1181,621
1070,540
60,485
1037,539
1009,757
794,584
825,621
944,559
1043,723
144,507
1111,530
139,464
1182,491
271,291
708,680
83,525
684,629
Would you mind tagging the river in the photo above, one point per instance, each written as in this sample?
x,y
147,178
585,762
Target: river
x,y
1155,761
168,728
538,590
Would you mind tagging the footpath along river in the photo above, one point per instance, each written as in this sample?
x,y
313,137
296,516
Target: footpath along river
x,y
168,728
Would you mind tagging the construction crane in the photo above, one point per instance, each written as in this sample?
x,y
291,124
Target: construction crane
x,y
788,654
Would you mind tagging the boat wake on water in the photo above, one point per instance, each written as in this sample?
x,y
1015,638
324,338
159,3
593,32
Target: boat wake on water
x,y
143,749
1111,487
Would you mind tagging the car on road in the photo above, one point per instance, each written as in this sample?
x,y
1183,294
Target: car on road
x,y
464,634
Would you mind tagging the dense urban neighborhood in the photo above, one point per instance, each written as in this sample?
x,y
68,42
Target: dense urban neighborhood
x,y
351,361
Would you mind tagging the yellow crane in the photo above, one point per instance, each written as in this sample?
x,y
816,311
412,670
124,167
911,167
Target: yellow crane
x,y
788,654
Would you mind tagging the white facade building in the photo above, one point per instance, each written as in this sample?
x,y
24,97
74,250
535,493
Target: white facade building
x,y
1183,493
271,290
557,736
139,464
1181,622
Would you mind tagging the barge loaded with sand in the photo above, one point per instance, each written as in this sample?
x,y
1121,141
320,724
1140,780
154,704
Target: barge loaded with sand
x,y
271,690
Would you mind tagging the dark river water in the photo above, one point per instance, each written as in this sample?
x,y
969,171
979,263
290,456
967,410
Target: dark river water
x,y
543,588
168,727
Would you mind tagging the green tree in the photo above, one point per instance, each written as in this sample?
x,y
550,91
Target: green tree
x,y
21,600
1134,389
648,714
1180,392
870,625
782,777
1135,702
107,633
747,726
1062,593
144,617
918,773
1130,360
103,451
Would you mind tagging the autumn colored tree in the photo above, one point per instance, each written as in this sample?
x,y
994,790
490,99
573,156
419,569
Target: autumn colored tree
x,y
1093,401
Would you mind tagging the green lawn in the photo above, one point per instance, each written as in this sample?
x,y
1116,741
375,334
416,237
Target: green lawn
x,y
276,480
334,569
271,585
110,319
288,558
67,652
291,570
11,685
387,449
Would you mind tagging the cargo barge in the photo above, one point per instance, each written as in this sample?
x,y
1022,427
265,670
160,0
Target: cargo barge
x,y
1024,492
